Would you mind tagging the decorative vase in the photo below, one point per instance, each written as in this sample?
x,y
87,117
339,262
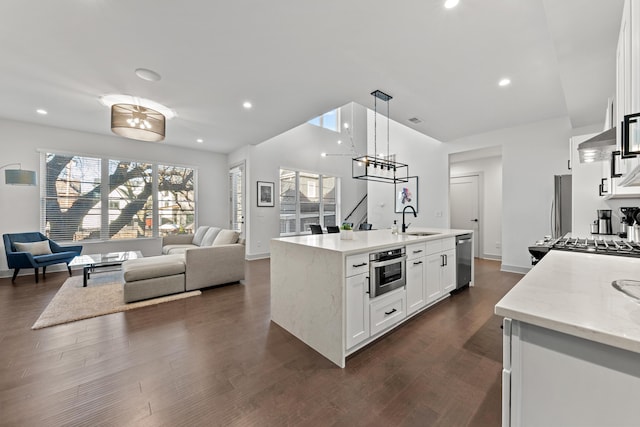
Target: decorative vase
x,y
346,234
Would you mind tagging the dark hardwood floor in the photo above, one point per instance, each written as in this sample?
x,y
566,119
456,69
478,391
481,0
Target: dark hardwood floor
x,y
218,360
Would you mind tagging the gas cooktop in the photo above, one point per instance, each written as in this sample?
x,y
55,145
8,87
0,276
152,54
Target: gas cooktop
x,y
587,245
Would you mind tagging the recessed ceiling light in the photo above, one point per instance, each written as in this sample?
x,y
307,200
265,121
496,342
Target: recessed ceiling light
x,y
148,75
247,105
339,141
450,4
42,112
323,154
504,82
199,140
113,98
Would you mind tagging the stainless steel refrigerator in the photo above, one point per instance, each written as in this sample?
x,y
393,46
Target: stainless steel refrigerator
x,y
561,206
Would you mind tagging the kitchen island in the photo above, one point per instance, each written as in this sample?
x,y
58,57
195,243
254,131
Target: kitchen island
x,y
320,285
571,343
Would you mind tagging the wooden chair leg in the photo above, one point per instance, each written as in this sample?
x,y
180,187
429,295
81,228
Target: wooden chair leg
x,y
36,270
44,271
15,274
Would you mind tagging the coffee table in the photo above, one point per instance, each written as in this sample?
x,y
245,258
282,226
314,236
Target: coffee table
x,y
91,262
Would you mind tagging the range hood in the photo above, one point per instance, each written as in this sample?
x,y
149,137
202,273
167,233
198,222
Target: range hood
x,y
599,147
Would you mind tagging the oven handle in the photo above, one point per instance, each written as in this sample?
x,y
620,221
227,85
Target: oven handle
x,y
376,264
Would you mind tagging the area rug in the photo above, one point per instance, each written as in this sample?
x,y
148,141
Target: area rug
x,y
104,295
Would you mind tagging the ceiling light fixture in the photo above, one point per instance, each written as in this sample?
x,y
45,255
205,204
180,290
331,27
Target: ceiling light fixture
x,y
379,167
19,176
113,98
504,82
42,112
450,4
199,140
247,105
137,122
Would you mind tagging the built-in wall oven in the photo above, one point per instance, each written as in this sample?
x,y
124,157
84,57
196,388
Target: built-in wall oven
x,y
387,271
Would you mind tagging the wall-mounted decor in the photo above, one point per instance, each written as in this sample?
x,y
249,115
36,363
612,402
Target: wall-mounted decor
x,y
406,194
265,194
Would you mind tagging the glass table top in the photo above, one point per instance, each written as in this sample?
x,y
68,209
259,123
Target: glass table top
x,y
107,258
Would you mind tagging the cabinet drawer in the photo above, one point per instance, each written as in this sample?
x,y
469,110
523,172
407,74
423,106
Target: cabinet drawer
x,y
357,264
387,310
434,246
416,250
448,243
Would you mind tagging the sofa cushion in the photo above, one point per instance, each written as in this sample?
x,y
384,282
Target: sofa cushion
x,y
210,236
226,237
199,235
35,248
151,267
176,249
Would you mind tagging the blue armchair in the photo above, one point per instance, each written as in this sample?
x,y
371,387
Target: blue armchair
x,y
17,259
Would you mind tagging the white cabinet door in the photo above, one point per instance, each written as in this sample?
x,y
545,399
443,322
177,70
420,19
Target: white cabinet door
x,y
357,309
433,287
415,285
448,276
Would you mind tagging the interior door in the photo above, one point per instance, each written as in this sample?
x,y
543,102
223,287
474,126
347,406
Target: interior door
x,y
465,207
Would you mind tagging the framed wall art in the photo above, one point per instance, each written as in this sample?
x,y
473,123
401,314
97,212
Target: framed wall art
x,y
406,194
265,194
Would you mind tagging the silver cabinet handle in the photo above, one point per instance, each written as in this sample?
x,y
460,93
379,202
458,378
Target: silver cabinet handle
x,y
359,265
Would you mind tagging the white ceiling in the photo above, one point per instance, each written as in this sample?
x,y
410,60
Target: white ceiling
x,y
296,59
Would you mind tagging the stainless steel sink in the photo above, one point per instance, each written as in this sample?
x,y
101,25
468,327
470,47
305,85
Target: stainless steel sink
x,y
419,233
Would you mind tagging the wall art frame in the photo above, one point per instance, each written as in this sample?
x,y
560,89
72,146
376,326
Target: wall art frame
x,y
406,194
265,194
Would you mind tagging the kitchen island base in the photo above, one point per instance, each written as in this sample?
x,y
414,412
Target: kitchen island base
x,y
320,287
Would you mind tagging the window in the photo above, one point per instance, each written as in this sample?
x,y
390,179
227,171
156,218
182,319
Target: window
x,y
305,199
329,120
95,198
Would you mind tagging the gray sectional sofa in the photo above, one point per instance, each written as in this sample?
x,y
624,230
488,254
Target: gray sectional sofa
x,y
211,256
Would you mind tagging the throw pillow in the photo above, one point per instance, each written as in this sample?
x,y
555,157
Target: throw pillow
x,y
210,236
35,248
226,237
200,232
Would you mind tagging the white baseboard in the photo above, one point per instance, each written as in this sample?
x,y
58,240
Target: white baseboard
x,y
514,269
492,257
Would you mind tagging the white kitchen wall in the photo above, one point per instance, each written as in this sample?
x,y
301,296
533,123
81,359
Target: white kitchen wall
x,y
490,168
300,149
531,155
20,207
427,159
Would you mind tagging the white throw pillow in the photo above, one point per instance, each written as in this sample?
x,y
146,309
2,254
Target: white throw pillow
x,y
35,248
210,236
226,237
200,232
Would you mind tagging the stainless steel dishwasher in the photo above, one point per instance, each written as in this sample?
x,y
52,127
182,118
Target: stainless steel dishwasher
x,y
463,260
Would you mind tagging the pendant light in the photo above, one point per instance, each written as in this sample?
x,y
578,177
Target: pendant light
x,y
379,167
137,122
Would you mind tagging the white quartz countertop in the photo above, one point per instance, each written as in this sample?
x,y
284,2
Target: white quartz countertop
x,y
366,240
572,293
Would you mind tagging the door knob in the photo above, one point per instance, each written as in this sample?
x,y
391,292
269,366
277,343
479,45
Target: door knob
x,y
474,220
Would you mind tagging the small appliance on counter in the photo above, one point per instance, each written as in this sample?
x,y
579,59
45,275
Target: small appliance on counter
x,y
604,221
630,223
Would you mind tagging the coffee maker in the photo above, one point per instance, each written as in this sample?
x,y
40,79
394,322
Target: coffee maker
x,y
604,221
629,223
